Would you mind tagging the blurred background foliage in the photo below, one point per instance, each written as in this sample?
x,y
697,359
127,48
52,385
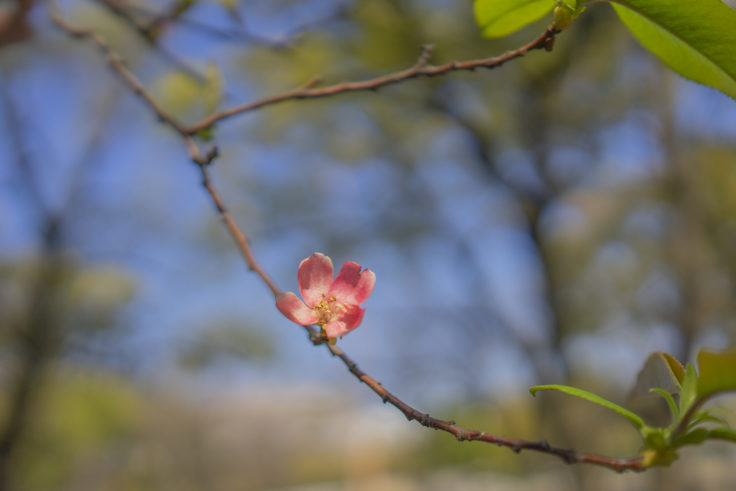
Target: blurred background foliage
x,y
551,221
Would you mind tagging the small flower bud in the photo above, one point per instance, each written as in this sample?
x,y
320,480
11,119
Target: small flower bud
x,y
563,17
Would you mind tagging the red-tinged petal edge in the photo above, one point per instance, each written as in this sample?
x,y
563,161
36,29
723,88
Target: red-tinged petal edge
x,y
315,277
344,322
295,310
351,285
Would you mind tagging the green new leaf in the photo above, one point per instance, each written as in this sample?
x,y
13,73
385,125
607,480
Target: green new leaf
x,y
660,370
675,367
498,18
670,402
206,134
588,396
696,38
717,371
689,393
694,437
706,417
723,433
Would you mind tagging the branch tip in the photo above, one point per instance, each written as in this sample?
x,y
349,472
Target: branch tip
x,y
426,52
212,154
311,83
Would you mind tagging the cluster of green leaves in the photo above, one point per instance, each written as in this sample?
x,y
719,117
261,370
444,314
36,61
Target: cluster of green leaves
x,y
696,38
685,395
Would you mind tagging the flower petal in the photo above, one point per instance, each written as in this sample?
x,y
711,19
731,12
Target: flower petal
x,y
344,322
315,277
351,285
295,310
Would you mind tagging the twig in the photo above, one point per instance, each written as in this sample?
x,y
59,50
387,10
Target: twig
x,y
464,434
148,34
240,238
117,63
419,69
306,91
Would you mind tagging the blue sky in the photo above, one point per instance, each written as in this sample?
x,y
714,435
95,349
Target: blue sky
x,y
140,206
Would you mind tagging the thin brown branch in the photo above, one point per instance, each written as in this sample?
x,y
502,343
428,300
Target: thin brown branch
x,y
240,238
117,63
459,432
150,35
464,434
420,69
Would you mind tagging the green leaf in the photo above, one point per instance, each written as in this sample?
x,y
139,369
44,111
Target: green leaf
x,y
498,18
706,416
661,371
693,437
717,372
207,134
696,38
723,433
588,396
676,369
689,392
670,401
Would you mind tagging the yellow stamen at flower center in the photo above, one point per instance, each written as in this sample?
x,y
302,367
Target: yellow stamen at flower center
x,y
323,309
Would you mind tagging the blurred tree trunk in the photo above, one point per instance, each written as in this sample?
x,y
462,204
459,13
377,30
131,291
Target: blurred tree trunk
x,y
36,339
37,344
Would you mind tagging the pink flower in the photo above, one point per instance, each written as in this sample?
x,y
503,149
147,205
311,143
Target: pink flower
x,y
334,305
